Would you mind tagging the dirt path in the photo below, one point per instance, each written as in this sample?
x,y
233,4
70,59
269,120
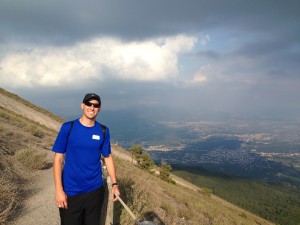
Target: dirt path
x,y
39,206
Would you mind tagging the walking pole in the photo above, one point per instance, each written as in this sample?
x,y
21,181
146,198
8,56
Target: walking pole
x,y
132,215
126,207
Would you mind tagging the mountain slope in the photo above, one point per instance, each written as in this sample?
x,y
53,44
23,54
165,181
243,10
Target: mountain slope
x,y
26,109
24,125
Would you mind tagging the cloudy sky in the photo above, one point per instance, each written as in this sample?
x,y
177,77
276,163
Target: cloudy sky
x,y
170,56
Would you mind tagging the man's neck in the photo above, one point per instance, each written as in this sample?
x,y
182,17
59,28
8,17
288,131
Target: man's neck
x,y
87,122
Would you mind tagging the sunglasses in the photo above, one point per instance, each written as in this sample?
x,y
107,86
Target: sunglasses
x,y
89,104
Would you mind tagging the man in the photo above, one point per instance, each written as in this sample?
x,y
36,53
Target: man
x,y
77,166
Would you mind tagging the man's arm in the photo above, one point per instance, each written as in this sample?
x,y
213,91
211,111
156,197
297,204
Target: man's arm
x,y
112,173
61,197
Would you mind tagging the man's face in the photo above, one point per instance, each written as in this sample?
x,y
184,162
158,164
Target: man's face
x,y
91,108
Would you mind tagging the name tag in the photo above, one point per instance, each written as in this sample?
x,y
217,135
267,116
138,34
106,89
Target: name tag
x,y
96,137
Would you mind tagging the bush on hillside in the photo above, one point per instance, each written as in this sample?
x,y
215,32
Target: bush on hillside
x,y
165,172
143,159
207,191
32,159
36,131
136,150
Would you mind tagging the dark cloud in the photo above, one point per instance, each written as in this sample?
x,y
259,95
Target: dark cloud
x,y
274,57
64,21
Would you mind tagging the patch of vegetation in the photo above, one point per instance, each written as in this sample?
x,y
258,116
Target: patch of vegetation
x,y
32,159
9,193
165,172
145,162
36,131
143,159
207,191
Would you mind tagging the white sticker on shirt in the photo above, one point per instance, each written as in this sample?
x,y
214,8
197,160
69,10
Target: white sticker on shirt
x,y
96,137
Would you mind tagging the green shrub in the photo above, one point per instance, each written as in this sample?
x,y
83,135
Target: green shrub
x,y
207,191
143,159
136,150
165,172
32,159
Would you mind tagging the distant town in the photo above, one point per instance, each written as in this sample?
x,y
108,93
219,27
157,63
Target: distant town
x,y
267,150
164,148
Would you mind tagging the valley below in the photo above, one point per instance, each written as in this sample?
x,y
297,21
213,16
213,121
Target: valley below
x,y
255,149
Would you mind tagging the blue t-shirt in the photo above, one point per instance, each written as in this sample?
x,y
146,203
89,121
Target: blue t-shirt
x,y
82,171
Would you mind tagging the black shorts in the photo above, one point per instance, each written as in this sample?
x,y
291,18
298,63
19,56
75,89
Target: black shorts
x,y
83,209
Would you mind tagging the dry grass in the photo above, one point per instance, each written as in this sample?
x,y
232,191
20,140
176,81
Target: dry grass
x,y
32,159
9,193
18,132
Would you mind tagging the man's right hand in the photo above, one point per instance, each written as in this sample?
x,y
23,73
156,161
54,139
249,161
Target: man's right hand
x,y
61,199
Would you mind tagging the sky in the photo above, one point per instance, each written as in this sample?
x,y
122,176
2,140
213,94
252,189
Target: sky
x,y
159,58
